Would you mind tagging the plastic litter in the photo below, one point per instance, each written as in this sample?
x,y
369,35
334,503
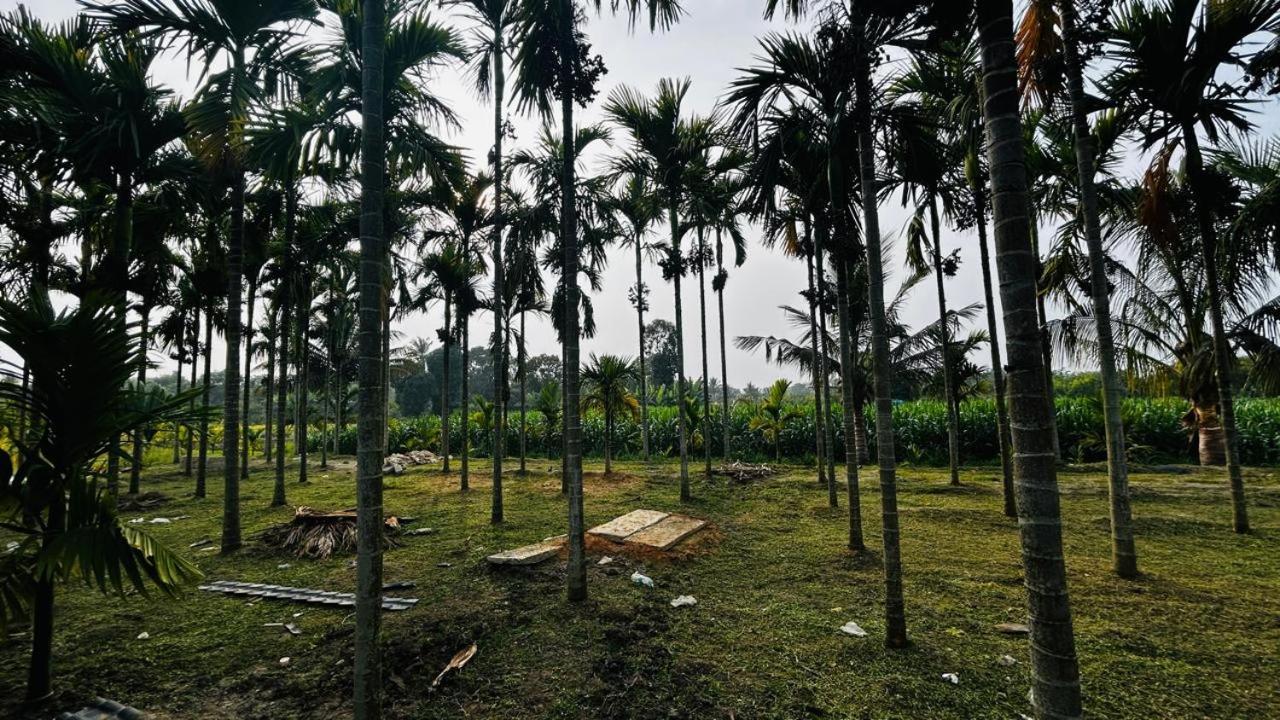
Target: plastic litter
x,y
640,579
952,678
683,601
853,628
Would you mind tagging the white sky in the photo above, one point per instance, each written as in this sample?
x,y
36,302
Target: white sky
x,y
712,40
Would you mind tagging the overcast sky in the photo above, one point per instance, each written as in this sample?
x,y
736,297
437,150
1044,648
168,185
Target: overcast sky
x,y
712,40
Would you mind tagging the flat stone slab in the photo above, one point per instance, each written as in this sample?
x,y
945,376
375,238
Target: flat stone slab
x,y
527,555
668,532
623,527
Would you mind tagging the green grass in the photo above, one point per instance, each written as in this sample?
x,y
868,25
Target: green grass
x,y
1198,636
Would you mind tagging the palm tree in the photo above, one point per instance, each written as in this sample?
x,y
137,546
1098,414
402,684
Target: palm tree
x,y
1171,87
773,414
549,39
525,290
80,362
255,36
1055,671
606,379
489,54
635,203
667,149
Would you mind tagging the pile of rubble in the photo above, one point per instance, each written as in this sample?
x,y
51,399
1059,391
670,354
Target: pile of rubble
x,y
744,472
398,462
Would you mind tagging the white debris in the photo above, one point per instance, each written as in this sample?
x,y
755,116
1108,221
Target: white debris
x,y
640,579
284,661
160,521
283,566
853,628
1008,660
684,600
952,678
11,548
144,636
602,561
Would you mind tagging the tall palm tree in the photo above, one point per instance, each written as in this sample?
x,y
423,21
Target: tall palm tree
x,y
526,291
667,148
1055,671
1169,87
1040,45
606,380
634,203
554,61
255,36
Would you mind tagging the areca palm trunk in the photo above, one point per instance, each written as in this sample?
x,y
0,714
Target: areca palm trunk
x,y
499,290
820,435
1222,355
282,390
895,615
248,377
524,403
1124,556
824,371
577,570
721,279
303,361
685,492
135,468
644,376
944,346
706,375
444,384
997,365
1054,668
464,321
231,374
268,408
177,429
202,466
844,274
1046,350
195,352
370,424
608,440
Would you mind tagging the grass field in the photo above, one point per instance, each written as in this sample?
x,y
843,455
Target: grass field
x,y
1198,636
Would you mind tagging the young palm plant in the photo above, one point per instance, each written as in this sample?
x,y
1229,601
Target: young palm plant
x,y
607,383
773,414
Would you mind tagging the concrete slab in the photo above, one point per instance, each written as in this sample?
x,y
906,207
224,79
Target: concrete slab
x,y
668,532
527,555
622,527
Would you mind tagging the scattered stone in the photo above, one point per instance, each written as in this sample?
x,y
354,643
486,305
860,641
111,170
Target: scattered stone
x,y
1007,660
668,532
952,678
640,579
144,636
1013,628
527,555
444,564
283,566
604,560
397,463
853,628
284,661
620,528
684,601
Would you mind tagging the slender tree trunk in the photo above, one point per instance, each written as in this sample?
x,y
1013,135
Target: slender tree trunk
x,y
721,278
444,384
203,465
283,337
524,407
248,378
824,371
135,468
117,267
844,273
499,289
177,428
1055,673
386,380
895,616
1124,556
370,425
1046,352
268,408
860,422
706,374
1222,354
820,434
324,419
195,354
997,365
944,347
464,322
641,299
608,441
231,374
40,672
685,492
577,571
303,361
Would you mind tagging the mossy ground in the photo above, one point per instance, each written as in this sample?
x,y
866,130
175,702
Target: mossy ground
x,y
1197,636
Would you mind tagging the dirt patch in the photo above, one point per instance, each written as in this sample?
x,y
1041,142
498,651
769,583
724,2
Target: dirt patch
x,y
702,543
